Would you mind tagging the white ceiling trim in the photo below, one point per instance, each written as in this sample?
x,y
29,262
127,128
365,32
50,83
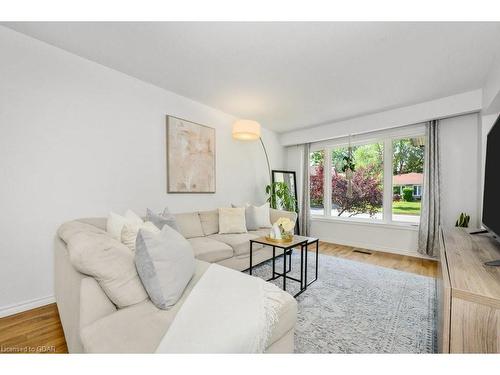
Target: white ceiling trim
x,y
455,105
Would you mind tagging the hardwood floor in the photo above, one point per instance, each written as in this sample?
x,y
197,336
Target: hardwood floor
x,y
419,266
34,331
40,331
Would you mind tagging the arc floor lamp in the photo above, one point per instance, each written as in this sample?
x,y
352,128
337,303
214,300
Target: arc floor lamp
x,y
249,130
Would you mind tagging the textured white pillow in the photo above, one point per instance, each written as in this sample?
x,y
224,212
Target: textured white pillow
x,y
115,222
130,231
232,220
260,215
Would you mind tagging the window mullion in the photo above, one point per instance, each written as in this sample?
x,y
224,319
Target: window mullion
x,y
327,187
387,202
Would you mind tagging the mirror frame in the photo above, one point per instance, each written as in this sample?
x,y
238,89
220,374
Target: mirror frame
x,y
276,171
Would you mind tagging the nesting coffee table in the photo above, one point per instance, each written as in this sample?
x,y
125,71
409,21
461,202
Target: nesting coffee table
x,y
287,247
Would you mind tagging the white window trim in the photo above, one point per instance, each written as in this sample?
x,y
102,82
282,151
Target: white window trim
x,y
386,138
368,222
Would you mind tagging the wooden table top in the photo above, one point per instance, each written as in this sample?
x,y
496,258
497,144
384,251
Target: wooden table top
x,y
297,240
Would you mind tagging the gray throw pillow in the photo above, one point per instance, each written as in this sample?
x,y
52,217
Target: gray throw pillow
x,y
166,218
165,264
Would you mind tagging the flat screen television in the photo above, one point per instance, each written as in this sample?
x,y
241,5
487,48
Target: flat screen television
x,y
491,195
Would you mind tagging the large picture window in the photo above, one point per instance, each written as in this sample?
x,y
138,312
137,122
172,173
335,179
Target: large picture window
x,y
385,184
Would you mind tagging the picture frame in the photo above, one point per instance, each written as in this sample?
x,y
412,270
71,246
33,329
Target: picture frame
x,y
190,157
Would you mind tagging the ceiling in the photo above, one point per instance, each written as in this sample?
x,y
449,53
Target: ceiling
x,y
289,75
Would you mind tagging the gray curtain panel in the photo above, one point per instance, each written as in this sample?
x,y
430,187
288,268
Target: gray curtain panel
x,y
305,213
430,218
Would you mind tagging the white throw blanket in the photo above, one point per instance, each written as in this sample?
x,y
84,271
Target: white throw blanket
x,y
226,312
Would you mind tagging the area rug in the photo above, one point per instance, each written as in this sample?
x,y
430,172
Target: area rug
x,y
357,307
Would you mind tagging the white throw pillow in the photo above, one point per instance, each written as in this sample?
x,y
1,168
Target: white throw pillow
x,y
115,223
130,231
232,220
165,263
260,216
256,216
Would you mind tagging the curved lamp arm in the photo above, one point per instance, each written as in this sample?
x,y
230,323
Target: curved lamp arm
x,y
267,159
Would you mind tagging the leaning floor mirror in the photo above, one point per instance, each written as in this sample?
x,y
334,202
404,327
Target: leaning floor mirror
x,y
285,192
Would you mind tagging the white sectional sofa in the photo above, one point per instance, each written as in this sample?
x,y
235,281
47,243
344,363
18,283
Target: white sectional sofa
x,y
93,324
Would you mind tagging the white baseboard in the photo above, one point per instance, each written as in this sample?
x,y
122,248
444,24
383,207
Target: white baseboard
x,y
24,306
370,246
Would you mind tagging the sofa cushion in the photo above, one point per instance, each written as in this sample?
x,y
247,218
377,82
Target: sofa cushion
x,y
165,264
140,328
94,252
189,224
210,250
135,329
240,242
262,232
70,228
209,222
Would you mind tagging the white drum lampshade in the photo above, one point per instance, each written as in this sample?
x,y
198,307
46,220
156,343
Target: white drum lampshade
x,y
246,130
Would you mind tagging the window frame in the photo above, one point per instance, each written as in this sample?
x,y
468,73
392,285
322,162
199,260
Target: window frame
x,y
386,137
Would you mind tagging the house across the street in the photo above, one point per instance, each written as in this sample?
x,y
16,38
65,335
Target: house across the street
x,y
408,180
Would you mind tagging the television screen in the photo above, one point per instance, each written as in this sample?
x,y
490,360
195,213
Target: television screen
x,y
491,197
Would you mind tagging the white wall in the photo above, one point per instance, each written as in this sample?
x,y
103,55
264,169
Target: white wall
x,y
460,166
491,89
78,139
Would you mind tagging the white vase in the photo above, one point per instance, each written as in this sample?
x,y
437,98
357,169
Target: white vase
x,y
277,231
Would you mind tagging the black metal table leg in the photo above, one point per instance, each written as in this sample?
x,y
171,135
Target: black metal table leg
x,y
316,263
251,248
317,256
284,269
290,260
305,267
301,267
274,261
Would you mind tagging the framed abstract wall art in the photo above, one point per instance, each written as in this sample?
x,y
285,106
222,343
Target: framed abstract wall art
x,y
190,157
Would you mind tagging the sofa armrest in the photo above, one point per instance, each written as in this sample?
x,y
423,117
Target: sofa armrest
x,y
94,303
276,214
79,297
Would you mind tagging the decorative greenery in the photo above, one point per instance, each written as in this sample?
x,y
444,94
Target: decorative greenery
x,y
408,194
280,196
348,163
366,193
408,157
463,220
